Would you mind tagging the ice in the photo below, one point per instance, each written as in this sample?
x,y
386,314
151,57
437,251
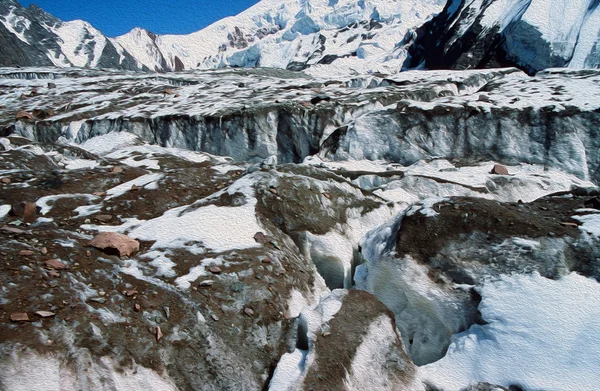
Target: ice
x,y
540,335
4,209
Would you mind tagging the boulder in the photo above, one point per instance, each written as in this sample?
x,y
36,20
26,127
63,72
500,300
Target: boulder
x,y
115,243
499,169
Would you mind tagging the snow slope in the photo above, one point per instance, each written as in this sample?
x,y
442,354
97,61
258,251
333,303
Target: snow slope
x,y
541,335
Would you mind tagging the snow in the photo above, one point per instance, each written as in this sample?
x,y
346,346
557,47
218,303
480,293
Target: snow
x,y
104,144
27,370
219,228
78,33
591,223
16,24
44,203
541,334
184,282
139,181
78,164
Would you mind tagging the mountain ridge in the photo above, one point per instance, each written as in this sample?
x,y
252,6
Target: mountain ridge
x,y
324,36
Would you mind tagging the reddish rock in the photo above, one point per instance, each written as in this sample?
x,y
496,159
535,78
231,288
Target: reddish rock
x,y
19,317
137,307
53,273
44,250
5,180
159,333
499,169
99,193
29,212
248,311
114,242
23,114
26,253
117,169
567,224
215,269
55,264
131,292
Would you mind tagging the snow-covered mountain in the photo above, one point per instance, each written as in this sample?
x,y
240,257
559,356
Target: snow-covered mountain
x,y
327,36
30,36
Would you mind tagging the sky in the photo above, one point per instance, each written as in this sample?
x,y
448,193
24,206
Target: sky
x,y
116,17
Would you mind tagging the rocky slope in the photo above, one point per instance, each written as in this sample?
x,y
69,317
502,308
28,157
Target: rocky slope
x,y
291,232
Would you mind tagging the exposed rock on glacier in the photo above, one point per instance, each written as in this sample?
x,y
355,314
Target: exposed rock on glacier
x,y
347,342
108,309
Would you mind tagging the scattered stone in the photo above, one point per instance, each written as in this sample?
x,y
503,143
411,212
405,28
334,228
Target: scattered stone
x,y
51,85
103,218
215,270
248,311
100,300
112,241
26,253
19,317
214,317
117,170
567,224
167,312
137,307
260,237
593,203
206,283
274,191
23,114
88,253
45,314
159,334
266,260
5,180
44,250
131,292
13,230
53,273
99,193
55,264
499,169
326,334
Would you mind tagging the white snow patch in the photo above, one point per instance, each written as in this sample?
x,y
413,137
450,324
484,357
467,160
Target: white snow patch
x,y
591,223
45,202
139,181
541,335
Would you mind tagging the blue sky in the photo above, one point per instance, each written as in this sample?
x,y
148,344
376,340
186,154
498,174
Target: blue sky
x,y
116,17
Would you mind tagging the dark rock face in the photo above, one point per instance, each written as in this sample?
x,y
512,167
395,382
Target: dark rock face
x,y
459,38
